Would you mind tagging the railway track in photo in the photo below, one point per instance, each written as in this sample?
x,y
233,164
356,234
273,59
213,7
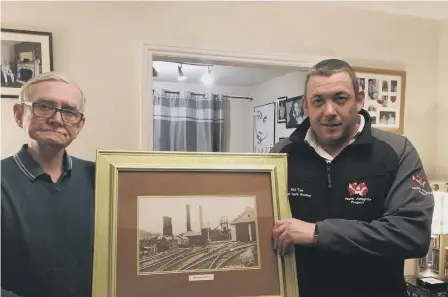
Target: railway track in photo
x,y
154,262
205,261
221,260
201,258
178,261
159,255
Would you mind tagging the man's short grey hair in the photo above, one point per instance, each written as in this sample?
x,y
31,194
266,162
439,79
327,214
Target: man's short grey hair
x,y
49,76
332,66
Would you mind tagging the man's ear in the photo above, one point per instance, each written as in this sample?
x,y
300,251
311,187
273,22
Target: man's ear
x,y
360,99
305,105
18,114
79,127
81,123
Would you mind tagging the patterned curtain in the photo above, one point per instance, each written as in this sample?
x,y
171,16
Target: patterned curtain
x,y
185,121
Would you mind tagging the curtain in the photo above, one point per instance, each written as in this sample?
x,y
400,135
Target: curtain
x,y
185,121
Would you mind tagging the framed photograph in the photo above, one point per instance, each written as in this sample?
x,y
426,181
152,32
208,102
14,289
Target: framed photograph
x,y
295,114
439,185
384,97
196,223
264,128
281,109
25,54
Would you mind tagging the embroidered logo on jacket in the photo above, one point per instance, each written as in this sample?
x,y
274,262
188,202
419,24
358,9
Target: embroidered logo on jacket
x,y
357,189
419,183
357,193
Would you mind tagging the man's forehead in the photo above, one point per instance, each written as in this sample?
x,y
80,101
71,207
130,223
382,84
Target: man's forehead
x,y
56,91
55,86
338,82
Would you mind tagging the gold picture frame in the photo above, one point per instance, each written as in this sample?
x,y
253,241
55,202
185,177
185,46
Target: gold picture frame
x,y
385,94
126,181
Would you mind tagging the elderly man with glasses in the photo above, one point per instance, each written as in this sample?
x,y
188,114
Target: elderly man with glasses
x,y
47,196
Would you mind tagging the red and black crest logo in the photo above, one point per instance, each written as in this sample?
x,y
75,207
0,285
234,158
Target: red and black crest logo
x,y
359,189
418,181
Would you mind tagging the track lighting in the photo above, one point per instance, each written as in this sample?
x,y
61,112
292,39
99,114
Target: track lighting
x,y
207,78
181,76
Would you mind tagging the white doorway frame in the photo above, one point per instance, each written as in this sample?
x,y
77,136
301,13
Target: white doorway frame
x,y
301,61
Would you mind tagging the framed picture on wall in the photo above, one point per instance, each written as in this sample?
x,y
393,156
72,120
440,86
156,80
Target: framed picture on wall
x,y
439,185
384,97
25,54
281,109
187,230
295,113
264,128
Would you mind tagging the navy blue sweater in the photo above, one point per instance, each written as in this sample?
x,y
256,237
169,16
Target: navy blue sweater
x,y
47,228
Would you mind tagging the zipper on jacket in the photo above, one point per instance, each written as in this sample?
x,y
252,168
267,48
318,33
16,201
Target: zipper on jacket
x,y
329,176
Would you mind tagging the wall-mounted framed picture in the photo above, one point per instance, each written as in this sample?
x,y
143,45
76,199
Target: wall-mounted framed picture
x,y
295,114
25,54
439,185
188,231
384,97
264,128
281,109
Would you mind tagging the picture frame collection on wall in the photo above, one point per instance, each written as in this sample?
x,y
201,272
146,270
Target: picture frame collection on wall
x,y
384,97
25,54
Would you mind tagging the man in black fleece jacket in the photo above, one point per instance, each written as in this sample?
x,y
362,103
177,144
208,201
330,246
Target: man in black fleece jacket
x,y
359,197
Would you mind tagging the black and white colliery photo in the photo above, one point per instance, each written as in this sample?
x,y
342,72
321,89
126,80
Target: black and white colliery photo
x,y
187,234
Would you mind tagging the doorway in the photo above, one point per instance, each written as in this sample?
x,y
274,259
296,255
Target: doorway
x,y
207,100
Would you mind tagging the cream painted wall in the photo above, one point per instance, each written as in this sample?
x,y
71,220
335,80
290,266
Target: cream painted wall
x,y
99,44
441,161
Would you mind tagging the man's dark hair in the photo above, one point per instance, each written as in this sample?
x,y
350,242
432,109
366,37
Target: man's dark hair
x,y
332,66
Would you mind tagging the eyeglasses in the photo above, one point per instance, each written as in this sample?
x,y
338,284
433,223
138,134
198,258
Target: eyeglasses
x,y
44,110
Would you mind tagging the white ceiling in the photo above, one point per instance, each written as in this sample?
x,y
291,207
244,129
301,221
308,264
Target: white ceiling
x,y
222,75
437,10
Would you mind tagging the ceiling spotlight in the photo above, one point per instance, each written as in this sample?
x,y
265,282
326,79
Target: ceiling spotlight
x,y
207,78
181,76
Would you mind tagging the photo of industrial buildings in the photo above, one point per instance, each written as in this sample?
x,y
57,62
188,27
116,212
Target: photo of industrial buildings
x,y
187,234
